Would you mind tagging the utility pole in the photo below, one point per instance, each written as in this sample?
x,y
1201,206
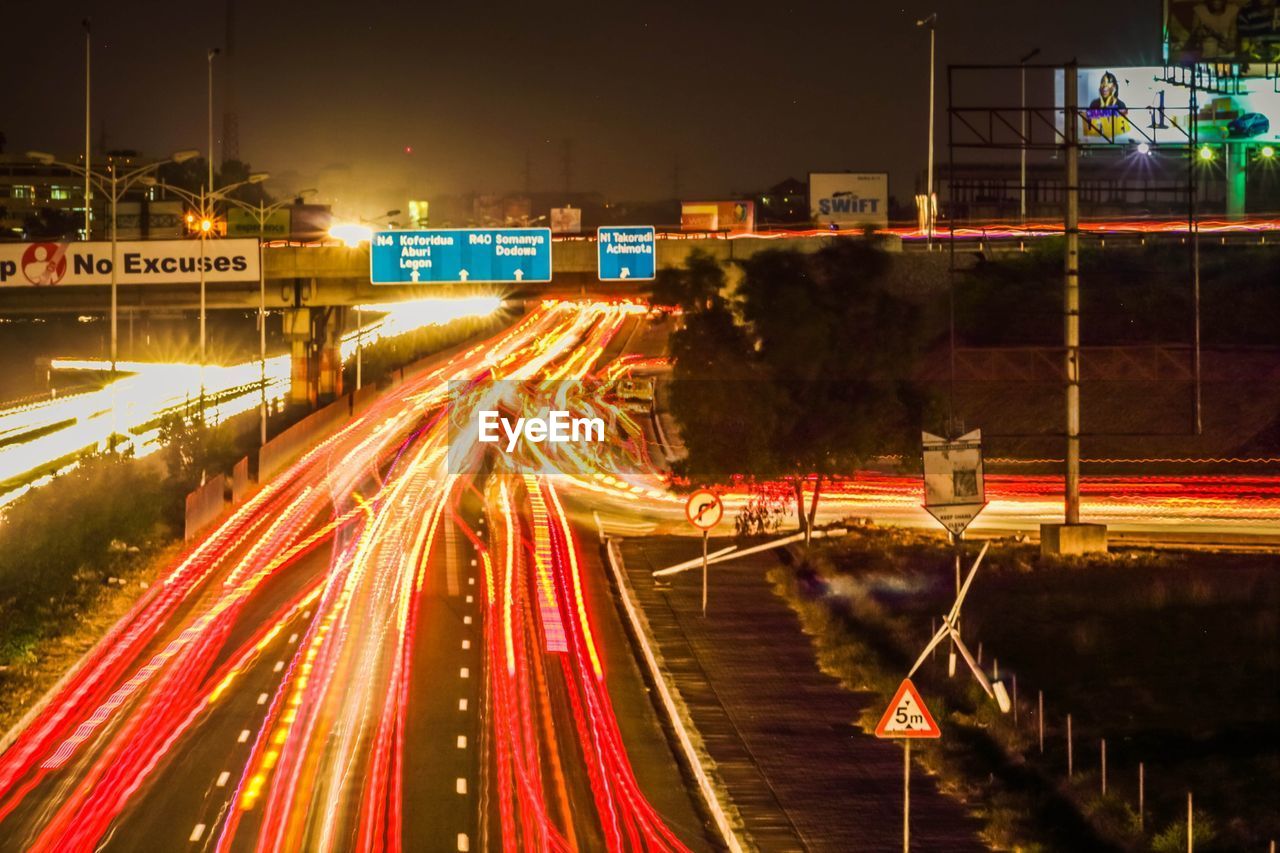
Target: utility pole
x,y
1022,153
213,51
1071,296
88,191
230,119
932,22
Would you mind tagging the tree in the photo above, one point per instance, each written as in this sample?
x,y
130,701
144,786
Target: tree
x,y
804,373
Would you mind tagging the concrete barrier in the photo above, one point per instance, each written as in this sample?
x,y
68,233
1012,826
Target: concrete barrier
x,y
240,481
206,504
297,439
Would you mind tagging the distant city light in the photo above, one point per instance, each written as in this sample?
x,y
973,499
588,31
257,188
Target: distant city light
x,y
351,233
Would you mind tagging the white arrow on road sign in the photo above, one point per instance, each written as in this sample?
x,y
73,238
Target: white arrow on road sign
x,y
626,273
519,274
413,274
704,509
463,274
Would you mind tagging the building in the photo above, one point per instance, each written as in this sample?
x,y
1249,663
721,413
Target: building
x,y
47,201
784,203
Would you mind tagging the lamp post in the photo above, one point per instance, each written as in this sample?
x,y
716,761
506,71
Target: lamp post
x,y
204,203
260,212
1022,152
932,23
213,51
359,317
88,191
114,186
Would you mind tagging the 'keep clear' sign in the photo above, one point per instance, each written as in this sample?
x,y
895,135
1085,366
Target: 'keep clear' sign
x,y
456,255
626,252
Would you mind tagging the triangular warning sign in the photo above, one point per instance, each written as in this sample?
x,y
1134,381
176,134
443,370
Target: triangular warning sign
x,y
907,715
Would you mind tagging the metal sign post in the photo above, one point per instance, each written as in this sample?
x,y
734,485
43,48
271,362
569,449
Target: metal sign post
x,y
704,511
907,718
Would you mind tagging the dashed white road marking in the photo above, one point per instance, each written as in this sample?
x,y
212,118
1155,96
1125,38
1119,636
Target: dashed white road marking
x,y
293,638
466,620
222,778
279,666
197,833
262,698
464,672
470,599
466,644
244,736
471,581
461,785
473,561
462,741
464,843
462,704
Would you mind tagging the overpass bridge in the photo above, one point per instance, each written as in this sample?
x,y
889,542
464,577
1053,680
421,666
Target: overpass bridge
x,y
338,276
314,287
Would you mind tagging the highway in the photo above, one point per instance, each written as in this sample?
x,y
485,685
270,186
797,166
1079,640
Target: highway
x,y
43,439
396,644
406,640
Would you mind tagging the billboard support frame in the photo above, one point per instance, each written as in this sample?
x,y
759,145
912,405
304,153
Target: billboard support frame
x,y
1003,134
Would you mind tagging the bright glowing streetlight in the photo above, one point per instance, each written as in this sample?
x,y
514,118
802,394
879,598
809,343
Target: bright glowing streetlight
x,y
204,206
260,214
1267,152
1207,154
114,185
352,234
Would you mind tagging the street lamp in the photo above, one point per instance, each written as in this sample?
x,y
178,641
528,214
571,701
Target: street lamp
x,y
932,23
213,51
1022,185
114,185
203,201
359,313
260,214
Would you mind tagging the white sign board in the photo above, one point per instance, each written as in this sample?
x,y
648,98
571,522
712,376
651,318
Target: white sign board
x,y
566,220
704,509
954,492
849,199
139,262
907,716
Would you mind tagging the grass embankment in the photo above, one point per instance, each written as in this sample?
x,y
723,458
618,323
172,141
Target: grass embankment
x,y
76,553
1172,658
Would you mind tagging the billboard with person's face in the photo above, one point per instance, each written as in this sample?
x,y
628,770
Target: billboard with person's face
x,y
1231,31
1135,105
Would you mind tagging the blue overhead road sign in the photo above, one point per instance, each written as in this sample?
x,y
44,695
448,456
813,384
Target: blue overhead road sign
x,y
626,252
454,255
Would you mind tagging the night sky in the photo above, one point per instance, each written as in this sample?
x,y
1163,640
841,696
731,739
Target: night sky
x,y
330,94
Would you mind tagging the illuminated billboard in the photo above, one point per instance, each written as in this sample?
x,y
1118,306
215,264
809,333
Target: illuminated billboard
x,y
1226,31
736,217
1134,105
849,199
